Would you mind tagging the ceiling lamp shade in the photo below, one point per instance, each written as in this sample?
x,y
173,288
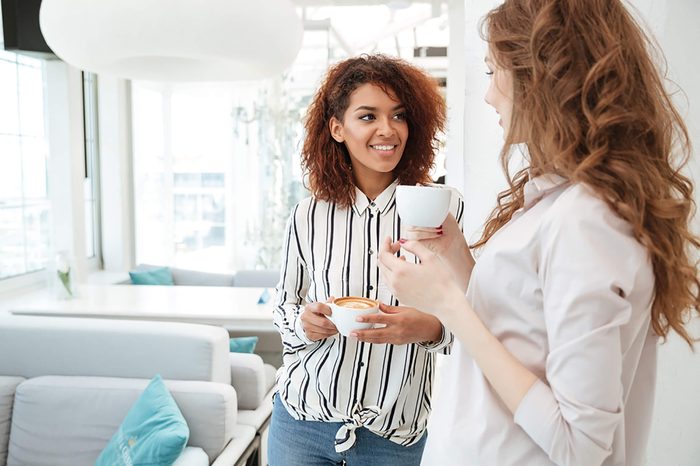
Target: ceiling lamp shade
x,y
174,40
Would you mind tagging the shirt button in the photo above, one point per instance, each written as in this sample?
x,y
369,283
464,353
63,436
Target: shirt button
x,y
371,288
371,251
372,204
362,364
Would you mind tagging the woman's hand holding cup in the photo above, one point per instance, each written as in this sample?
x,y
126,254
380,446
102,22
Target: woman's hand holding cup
x,y
315,323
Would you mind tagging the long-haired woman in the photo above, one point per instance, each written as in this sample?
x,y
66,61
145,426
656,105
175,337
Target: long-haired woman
x,y
586,260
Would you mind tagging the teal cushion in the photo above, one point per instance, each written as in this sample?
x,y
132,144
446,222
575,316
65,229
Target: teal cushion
x,y
242,344
153,433
159,276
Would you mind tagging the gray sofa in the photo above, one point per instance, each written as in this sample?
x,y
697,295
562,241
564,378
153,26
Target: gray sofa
x,y
244,277
67,383
269,346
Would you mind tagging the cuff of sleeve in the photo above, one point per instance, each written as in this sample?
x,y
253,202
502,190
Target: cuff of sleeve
x,y
299,330
443,343
537,413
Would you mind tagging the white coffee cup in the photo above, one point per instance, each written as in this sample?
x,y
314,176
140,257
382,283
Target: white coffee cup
x,y
423,206
346,310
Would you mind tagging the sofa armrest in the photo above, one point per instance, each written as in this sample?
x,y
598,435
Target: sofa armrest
x,y
192,456
251,379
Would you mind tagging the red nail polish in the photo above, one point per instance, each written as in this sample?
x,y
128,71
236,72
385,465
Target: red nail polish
x,y
439,232
402,241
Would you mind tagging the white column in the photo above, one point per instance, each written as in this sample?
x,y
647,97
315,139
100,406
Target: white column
x,y
482,136
66,167
116,175
456,75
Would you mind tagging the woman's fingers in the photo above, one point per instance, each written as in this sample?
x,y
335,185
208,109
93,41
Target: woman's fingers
x,y
328,331
419,234
418,250
386,254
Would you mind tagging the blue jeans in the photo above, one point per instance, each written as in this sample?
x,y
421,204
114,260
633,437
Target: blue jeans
x,y
312,443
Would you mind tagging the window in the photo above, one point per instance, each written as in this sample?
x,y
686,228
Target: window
x,y
214,173
24,203
91,184
216,166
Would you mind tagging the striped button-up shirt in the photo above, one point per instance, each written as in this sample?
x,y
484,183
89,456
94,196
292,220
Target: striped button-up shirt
x,y
332,251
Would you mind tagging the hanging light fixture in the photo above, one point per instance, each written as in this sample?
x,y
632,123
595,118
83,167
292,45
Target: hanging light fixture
x,y
174,40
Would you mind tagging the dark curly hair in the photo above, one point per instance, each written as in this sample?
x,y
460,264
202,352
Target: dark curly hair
x,y
327,162
592,106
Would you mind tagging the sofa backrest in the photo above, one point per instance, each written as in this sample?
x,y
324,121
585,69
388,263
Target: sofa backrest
x,y
188,277
244,277
32,346
67,421
7,397
257,278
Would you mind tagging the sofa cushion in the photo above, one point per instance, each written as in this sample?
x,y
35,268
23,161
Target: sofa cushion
x,y
153,431
157,276
7,396
62,421
242,344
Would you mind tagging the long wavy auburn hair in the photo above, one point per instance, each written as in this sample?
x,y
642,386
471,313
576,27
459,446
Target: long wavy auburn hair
x,y
326,162
591,104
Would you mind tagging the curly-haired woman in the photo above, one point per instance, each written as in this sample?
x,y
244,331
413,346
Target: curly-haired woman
x,y
364,399
585,262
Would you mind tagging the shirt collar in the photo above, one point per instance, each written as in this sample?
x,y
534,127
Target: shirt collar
x,y
538,187
382,202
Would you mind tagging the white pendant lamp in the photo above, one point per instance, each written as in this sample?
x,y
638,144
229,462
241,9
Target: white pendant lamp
x,y
174,40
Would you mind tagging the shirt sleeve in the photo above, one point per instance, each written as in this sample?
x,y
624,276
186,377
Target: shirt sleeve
x,y
444,344
588,264
291,290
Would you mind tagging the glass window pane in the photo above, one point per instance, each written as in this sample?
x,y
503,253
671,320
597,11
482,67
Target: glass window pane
x,y
24,206
31,101
91,181
34,152
11,242
36,225
9,119
11,173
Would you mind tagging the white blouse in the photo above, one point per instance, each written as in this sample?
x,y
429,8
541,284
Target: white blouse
x,y
568,290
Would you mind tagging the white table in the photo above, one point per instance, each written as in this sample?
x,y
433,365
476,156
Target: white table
x,y
235,308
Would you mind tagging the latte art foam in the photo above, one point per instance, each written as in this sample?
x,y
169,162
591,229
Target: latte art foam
x,y
356,303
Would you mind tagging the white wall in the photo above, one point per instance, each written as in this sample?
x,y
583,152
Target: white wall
x,y
676,428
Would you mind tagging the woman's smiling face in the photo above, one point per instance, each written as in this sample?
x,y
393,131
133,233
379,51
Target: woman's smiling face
x,y
374,130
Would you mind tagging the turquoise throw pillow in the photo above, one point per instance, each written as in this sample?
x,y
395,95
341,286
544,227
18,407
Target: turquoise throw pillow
x,y
242,344
153,433
159,276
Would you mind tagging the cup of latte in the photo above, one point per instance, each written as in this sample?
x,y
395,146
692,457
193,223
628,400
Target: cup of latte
x,y
423,206
346,310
